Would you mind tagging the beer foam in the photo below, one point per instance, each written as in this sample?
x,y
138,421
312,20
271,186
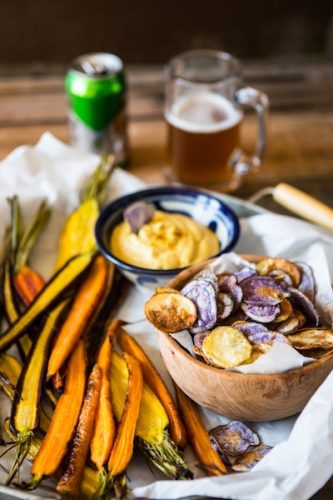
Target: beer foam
x,y
203,112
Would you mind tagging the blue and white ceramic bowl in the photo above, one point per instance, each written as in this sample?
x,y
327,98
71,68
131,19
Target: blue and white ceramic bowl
x,y
199,205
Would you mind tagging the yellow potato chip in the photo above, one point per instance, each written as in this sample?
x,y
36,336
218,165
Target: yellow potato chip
x,y
286,311
226,347
268,265
312,338
170,312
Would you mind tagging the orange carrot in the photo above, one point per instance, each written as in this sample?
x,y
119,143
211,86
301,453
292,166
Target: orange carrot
x,y
122,450
28,283
58,380
105,429
198,436
157,385
113,328
64,419
71,479
81,311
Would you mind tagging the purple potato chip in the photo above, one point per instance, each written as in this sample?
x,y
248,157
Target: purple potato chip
x,y
235,438
255,332
225,306
244,273
250,327
228,284
138,214
292,324
202,293
209,275
198,338
218,450
261,313
247,461
305,305
307,284
262,338
279,337
263,291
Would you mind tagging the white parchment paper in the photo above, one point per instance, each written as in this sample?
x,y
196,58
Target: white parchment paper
x,y
301,461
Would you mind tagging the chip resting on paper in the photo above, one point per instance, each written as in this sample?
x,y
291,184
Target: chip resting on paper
x,y
170,312
234,438
312,338
246,462
226,347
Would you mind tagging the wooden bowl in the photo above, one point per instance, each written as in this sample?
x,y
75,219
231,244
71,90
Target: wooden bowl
x,y
236,395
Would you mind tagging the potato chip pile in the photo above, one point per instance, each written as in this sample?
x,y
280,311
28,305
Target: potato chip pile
x,y
235,318
238,445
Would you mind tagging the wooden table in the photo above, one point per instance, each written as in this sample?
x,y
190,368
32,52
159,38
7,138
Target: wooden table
x,y
300,147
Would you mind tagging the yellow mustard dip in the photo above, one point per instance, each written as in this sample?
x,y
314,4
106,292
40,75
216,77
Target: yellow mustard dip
x,y
168,241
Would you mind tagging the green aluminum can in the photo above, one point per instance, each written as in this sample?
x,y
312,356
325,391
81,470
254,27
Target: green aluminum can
x,y
96,89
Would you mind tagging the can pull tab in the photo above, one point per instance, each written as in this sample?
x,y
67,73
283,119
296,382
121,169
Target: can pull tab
x,y
94,68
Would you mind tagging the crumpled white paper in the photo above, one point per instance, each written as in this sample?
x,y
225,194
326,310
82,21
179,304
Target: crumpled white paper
x,y
301,461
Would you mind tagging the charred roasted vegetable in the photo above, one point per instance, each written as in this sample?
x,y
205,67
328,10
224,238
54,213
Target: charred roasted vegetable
x,y
64,419
26,404
78,233
157,385
151,430
198,436
71,479
122,450
104,428
59,284
82,308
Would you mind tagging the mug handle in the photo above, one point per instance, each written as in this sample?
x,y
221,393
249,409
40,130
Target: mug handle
x,y
240,161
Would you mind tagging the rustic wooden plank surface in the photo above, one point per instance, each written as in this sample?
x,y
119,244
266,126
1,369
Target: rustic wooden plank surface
x,y
300,138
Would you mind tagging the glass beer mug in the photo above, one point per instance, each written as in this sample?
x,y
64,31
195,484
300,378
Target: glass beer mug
x,y
204,112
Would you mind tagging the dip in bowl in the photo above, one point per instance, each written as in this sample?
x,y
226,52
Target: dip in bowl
x,y
187,226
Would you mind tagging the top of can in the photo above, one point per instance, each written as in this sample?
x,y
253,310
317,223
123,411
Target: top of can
x,y
98,65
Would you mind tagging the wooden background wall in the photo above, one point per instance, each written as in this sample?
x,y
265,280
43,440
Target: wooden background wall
x,y
53,32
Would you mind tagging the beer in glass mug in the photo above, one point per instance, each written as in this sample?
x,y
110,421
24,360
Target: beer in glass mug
x,y
204,112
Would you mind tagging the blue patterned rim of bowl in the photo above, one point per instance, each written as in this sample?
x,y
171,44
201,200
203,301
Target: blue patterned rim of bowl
x,y
197,204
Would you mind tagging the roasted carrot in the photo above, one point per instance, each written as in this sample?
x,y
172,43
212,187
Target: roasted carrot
x,y
105,429
60,283
113,328
198,436
26,405
122,450
71,479
157,385
57,381
28,283
81,310
64,418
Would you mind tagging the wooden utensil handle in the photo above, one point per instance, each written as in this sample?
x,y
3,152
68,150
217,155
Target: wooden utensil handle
x,y
304,205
